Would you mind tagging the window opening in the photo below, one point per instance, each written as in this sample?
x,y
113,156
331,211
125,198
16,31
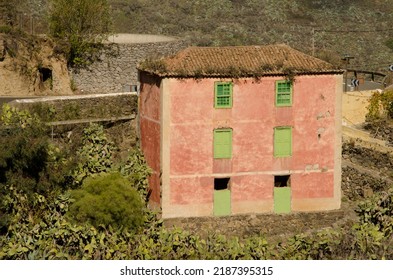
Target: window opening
x,y
283,93
223,95
134,88
221,184
281,181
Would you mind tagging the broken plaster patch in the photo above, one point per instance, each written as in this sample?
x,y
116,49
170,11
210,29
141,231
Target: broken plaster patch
x,y
321,130
320,116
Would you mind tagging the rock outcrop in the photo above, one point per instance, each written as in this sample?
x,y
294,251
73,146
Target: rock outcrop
x,y
29,66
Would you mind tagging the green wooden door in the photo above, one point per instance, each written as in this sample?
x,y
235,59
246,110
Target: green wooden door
x,y
222,203
282,199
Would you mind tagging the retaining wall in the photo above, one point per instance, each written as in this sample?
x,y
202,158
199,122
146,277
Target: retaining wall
x,y
80,107
269,225
68,115
116,69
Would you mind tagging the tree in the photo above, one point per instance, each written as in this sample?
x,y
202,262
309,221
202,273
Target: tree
x,y
20,13
80,26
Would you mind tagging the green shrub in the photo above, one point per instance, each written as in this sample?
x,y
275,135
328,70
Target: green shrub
x,y
44,111
136,170
108,199
380,106
5,29
378,211
28,160
95,155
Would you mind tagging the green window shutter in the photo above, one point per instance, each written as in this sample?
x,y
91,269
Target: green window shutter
x,y
283,93
223,94
282,141
222,143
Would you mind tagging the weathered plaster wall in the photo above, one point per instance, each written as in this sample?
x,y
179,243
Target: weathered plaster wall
x,y
313,164
116,69
150,131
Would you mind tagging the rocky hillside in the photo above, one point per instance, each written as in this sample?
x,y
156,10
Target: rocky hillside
x,y
29,65
327,28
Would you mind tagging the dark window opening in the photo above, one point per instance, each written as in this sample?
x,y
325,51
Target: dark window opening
x,y
282,181
221,183
134,88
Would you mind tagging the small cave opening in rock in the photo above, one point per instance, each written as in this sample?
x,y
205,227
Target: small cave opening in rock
x,y
45,77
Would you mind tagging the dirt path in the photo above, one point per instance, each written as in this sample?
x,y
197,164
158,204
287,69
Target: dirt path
x,y
365,139
372,173
354,107
354,110
367,162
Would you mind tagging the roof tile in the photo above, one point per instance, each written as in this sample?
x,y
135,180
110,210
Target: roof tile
x,y
239,61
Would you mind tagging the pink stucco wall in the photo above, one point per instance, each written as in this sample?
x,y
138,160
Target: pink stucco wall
x,y
149,119
252,118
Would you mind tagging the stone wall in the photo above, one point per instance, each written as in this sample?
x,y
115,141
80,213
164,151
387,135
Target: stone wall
x,y
69,115
81,107
116,69
269,225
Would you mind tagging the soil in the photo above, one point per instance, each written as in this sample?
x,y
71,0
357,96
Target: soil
x,y
30,66
367,152
374,161
354,107
381,130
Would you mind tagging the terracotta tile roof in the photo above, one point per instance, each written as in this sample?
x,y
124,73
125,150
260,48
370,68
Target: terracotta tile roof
x,y
241,61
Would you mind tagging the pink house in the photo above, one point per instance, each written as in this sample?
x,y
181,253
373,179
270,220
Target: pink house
x,y
235,130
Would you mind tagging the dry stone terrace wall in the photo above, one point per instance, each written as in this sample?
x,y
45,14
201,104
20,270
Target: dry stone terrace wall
x,y
69,115
116,69
81,107
269,225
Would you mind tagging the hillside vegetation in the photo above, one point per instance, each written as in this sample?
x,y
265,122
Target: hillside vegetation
x,y
326,28
339,25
